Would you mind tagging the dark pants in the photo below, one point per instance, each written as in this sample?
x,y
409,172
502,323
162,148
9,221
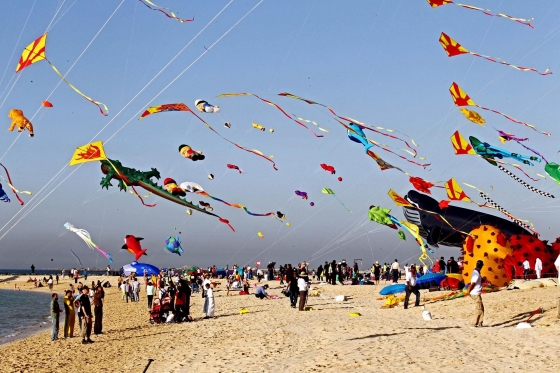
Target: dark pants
x,y
395,274
150,298
179,312
293,296
414,291
525,274
260,296
75,280
302,300
98,323
333,278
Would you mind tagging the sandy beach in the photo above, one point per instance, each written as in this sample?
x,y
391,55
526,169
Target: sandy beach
x,y
273,337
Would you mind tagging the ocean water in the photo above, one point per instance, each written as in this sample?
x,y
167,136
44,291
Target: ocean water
x,y
24,313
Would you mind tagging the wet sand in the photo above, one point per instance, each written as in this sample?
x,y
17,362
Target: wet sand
x,y
273,337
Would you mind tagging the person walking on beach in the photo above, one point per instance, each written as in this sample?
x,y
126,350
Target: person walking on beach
x,y
538,267
150,291
85,315
32,269
395,269
76,276
411,287
136,290
526,269
70,315
209,305
294,290
98,310
50,282
55,316
302,286
475,291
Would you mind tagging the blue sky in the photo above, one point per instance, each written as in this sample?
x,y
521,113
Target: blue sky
x,y
376,61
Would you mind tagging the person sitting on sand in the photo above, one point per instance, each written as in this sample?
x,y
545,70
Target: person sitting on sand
x,y
261,292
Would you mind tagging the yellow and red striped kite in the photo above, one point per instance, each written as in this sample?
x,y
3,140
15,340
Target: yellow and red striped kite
x,y
454,191
452,48
438,3
460,98
36,52
460,145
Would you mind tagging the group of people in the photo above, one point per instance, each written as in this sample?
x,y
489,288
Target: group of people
x,y
79,304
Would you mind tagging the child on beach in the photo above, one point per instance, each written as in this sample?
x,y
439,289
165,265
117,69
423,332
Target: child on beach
x,y
209,302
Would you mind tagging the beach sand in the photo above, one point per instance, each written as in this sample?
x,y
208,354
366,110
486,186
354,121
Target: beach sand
x,y
273,337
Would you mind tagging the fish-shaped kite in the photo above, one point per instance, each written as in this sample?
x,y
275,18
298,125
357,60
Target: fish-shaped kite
x,y
36,52
84,235
234,167
452,48
488,12
328,168
460,98
173,245
132,245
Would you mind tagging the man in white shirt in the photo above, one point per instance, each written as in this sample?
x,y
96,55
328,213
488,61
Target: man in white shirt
x,y
136,290
526,268
411,287
475,291
395,269
538,267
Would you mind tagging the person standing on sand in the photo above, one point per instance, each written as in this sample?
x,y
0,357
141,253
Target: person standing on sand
x,y
538,267
209,305
85,315
302,286
526,269
557,265
411,287
55,316
294,290
475,291
98,310
150,291
50,282
76,276
395,269
70,315
32,269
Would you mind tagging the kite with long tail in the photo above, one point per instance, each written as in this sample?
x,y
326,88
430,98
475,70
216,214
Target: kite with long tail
x,y
168,14
330,191
510,137
271,104
36,52
183,107
16,192
488,12
84,235
452,48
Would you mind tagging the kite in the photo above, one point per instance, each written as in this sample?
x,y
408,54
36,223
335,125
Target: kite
x,y
311,204
532,189
330,191
285,94
272,104
473,116
210,176
271,130
206,205
553,169
339,178
280,215
455,192
84,235
460,145
489,152
421,184
438,3
187,152
36,52
452,48
381,215
227,125
191,187
168,14
205,107
183,107
173,245
437,232
113,169
328,168
234,167
132,245
172,187
310,121
3,196
189,212
46,104
9,182
510,137
235,205
259,126
260,235
303,195
402,236
460,98
20,121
